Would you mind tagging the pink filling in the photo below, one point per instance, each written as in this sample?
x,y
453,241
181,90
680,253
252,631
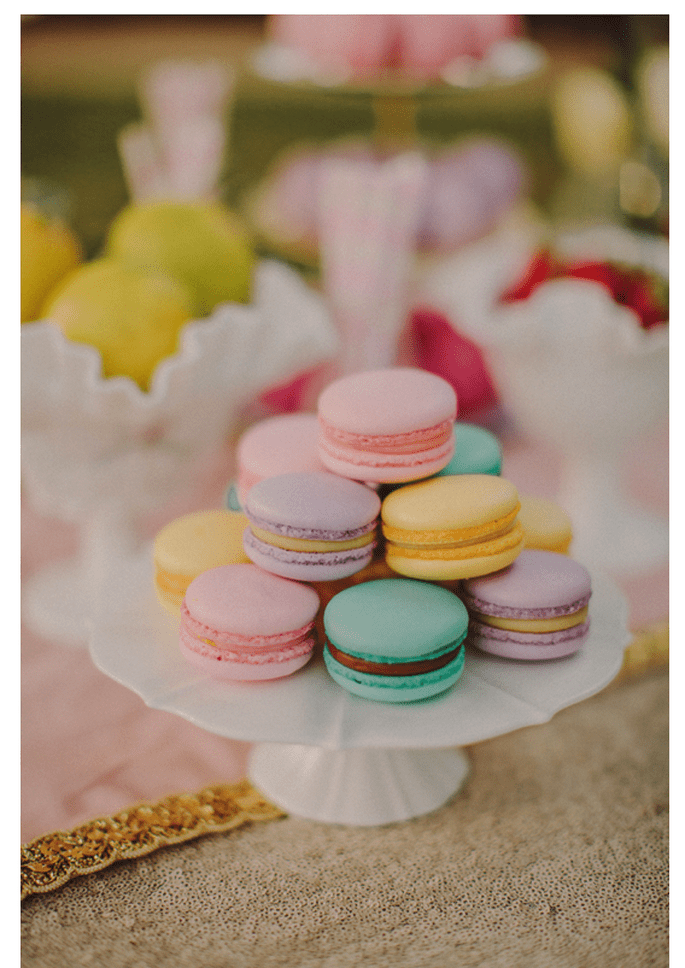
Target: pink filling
x,y
237,642
402,443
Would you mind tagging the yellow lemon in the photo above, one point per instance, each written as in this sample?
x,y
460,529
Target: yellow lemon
x,y
203,244
132,316
49,250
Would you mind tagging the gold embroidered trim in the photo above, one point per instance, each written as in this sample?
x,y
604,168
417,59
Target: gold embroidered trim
x,y
50,861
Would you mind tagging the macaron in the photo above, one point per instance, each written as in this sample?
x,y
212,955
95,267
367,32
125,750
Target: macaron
x,y
387,425
191,544
277,445
395,640
239,622
546,526
537,608
231,499
449,528
476,451
311,526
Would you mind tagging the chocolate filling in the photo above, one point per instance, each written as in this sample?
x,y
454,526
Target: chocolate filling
x,y
392,668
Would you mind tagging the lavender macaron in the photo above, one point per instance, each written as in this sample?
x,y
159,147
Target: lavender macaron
x,y
311,526
537,608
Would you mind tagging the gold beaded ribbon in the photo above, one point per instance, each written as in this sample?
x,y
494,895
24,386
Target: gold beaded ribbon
x,y
50,861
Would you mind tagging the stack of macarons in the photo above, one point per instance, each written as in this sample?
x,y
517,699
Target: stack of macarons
x,y
381,530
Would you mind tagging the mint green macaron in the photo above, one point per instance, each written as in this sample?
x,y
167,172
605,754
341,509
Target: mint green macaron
x,y
395,639
476,451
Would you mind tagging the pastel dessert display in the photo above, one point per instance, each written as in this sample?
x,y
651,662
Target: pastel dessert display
x,y
239,622
311,526
191,544
49,252
277,445
476,451
389,425
367,46
469,187
546,526
132,315
202,244
535,609
453,527
395,640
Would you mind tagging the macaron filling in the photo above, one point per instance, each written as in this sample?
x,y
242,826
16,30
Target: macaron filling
x,y
409,442
336,556
489,632
248,647
408,667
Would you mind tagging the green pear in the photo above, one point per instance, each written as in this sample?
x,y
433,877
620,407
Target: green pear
x,y
202,244
132,316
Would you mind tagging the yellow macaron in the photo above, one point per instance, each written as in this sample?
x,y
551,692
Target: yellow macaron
x,y
192,544
449,528
546,526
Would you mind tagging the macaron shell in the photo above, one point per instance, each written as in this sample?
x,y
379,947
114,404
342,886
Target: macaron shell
x,y
315,505
538,584
396,689
200,540
476,451
277,445
450,503
395,620
547,527
220,667
249,601
526,652
395,400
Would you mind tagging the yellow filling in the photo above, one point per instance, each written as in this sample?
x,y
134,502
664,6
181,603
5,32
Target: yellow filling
x,y
304,544
534,624
451,551
173,584
424,539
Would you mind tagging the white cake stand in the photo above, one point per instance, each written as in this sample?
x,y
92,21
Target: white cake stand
x,y
324,754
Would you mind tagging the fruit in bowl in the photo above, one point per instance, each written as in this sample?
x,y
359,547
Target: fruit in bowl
x,y
49,250
201,244
132,316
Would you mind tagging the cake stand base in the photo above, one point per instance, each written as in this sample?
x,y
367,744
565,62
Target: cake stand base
x,y
358,787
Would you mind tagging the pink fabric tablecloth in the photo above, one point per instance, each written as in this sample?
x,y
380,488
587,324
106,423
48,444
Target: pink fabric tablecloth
x,y
91,747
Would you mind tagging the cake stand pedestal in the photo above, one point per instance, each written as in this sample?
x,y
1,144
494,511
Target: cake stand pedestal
x,y
360,787
324,754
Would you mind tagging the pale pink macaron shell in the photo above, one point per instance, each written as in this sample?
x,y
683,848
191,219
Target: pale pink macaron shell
x,y
393,402
254,606
277,445
248,601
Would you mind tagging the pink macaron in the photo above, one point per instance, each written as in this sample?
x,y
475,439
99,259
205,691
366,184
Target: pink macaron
x,y
277,445
537,608
387,425
239,622
311,526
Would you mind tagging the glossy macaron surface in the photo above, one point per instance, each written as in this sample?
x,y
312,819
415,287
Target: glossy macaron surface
x,y
387,425
277,445
316,506
192,544
395,640
392,401
460,503
536,609
537,585
476,451
246,601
